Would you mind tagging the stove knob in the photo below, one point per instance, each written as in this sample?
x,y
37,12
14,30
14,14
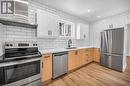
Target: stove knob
x,y
11,45
34,44
7,45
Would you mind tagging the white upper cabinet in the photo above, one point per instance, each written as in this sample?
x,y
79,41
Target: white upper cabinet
x,y
118,21
47,24
128,18
113,22
82,31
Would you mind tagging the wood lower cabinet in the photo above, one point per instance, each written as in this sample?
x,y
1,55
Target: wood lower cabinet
x,y
78,58
72,60
84,56
90,54
46,67
96,54
81,57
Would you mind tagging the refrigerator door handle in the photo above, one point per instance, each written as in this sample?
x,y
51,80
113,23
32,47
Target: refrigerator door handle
x,y
106,38
111,54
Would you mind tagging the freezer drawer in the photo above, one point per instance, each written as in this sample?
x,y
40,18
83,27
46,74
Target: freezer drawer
x,y
116,62
112,61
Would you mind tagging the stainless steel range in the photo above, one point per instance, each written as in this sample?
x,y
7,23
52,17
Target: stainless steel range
x,y
21,64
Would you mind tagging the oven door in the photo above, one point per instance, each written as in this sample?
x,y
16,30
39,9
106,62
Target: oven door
x,y
21,70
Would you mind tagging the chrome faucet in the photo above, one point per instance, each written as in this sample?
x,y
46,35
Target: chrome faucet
x,y
69,43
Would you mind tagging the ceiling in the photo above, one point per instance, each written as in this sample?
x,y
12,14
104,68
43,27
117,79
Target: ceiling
x,y
89,10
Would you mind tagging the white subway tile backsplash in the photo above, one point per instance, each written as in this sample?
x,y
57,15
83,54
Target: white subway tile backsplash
x,y
13,33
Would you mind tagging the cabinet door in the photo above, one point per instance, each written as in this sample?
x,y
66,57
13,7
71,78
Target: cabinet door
x,y
80,57
85,32
82,31
46,69
90,54
118,21
96,54
128,19
47,24
53,24
86,56
43,23
72,60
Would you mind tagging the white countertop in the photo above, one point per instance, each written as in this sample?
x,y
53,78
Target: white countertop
x,y
61,50
44,52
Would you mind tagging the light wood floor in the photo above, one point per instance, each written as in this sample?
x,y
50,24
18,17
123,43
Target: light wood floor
x,y
94,75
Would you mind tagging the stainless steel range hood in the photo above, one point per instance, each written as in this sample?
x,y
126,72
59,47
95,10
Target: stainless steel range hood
x,y
21,8
20,13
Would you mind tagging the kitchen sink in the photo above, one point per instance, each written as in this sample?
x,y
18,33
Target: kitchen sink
x,y
71,47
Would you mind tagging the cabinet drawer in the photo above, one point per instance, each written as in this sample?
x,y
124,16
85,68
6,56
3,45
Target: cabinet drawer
x,y
86,51
47,55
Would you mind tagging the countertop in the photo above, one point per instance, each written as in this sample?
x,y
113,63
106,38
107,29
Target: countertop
x,y
44,51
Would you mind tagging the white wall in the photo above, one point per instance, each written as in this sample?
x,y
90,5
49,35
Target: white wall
x,y
1,39
128,38
1,33
96,27
34,6
14,33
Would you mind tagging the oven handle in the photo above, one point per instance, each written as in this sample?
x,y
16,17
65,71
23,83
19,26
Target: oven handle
x,y
18,62
37,55
27,61
40,54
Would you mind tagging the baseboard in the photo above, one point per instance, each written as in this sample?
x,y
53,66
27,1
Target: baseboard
x,y
46,82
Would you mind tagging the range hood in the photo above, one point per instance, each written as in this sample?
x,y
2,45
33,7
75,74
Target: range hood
x,y
20,13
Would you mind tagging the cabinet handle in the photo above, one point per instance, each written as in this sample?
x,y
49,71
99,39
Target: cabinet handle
x,y
46,56
76,52
42,64
84,36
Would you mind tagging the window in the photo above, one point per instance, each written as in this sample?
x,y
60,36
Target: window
x,y
66,28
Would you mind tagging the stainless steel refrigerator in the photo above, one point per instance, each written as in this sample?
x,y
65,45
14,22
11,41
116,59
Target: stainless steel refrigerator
x,y
113,49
